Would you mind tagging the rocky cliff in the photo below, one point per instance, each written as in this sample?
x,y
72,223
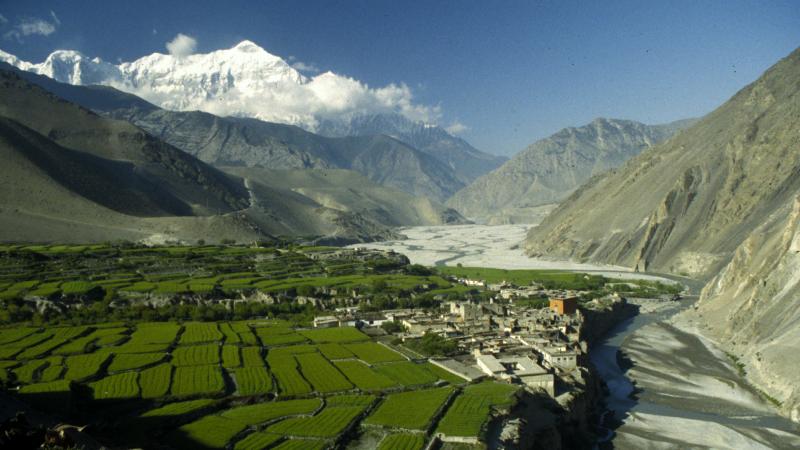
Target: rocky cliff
x,y
752,308
549,170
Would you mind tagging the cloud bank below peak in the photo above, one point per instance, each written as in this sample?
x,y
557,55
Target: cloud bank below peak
x,y
242,81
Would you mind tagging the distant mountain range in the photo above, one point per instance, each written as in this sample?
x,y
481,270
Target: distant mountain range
x,y
71,175
719,201
549,170
246,81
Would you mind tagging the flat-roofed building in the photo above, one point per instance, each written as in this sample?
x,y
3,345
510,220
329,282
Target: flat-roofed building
x,y
564,305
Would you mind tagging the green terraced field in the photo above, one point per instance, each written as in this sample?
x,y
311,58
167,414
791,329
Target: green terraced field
x,y
209,432
265,412
120,386
322,375
363,376
326,335
84,366
402,441
231,357
335,351
200,332
407,373
196,355
252,381
285,370
374,353
197,380
155,381
132,361
470,410
327,424
412,410
179,408
257,441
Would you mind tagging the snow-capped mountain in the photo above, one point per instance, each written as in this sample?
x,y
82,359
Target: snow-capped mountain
x,y
243,81
248,81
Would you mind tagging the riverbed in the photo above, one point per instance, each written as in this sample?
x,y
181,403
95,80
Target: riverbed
x,y
497,246
671,388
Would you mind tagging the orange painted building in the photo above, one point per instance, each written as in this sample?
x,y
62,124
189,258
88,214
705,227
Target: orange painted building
x,y
562,306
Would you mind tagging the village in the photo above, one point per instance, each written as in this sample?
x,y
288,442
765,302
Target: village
x,y
542,349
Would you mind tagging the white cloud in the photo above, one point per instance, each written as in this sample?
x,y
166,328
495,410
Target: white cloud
x,y
182,45
29,26
3,20
303,67
456,128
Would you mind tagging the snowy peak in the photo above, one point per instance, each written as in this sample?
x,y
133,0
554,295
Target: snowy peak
x,y
244,80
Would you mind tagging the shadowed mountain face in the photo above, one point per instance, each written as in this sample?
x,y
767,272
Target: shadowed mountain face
x,y
549,170
232,141
71,175
685,205
163,178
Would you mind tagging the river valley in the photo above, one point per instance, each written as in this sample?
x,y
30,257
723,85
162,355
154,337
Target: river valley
x,y
668,386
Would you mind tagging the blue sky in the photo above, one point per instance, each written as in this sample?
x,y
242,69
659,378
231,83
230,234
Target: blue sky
x,y
510,71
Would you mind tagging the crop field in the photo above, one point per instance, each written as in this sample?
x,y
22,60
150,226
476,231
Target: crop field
x,y
130,361
285,369
231,356
120,386
198,333
374,353
209,431
81,367
155,381
197,380
363,376
179,408
264,412
90,272
327,424
409,410
196,355
309,392
326,335
322,375
335,351
407,373
257,441
252,380
402,441
470,410
251,357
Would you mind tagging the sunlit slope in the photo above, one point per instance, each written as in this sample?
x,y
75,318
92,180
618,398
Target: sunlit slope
x,y
684,206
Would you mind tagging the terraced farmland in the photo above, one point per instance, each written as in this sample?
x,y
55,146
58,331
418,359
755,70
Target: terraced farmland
x,y
252,380
374,353
412,410
196,355
363,376
309,390
402,441
470,411
120,386
197,380
323,376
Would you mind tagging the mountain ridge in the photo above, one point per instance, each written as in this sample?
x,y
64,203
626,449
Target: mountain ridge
x,y
550,169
